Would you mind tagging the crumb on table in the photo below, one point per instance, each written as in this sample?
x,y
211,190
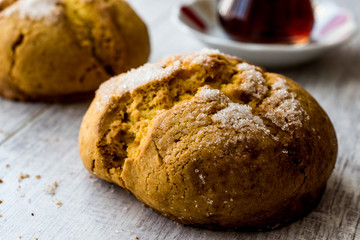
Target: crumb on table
x,y
51,189
7,165
59,203
37,176
1,181
23,176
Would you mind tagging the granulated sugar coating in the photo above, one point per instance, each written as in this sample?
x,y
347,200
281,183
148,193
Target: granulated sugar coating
x,y
132,80
207,94
254,83
209,140
284,110
239,117
46,10
236,116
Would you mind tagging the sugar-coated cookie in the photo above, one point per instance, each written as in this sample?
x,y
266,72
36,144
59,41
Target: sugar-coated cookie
x,y
61,50
207,139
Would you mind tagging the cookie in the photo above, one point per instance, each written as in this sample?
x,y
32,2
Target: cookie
x,y
62,50
210,140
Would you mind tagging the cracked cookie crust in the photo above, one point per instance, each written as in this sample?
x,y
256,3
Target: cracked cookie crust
x,y
62,50
207,139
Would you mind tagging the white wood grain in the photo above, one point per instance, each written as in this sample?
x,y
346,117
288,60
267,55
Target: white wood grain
x,y
41,139
15,115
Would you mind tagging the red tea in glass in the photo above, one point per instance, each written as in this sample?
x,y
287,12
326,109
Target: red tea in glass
x,y
267,21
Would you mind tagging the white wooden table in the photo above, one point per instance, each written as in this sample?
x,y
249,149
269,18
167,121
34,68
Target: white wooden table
x,y
41,139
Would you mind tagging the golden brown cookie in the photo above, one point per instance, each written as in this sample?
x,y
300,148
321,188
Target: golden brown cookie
x,y
207,139
63,49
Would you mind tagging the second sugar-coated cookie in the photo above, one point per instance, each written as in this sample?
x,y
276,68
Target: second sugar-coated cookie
x,y
61,50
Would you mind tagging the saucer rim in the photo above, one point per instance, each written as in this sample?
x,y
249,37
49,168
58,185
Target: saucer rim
x,y
258,47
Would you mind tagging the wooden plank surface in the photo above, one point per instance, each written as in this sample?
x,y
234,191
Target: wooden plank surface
x,y
41,139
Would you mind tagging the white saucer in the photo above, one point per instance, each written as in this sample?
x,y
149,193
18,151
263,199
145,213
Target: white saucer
x,y
334,26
